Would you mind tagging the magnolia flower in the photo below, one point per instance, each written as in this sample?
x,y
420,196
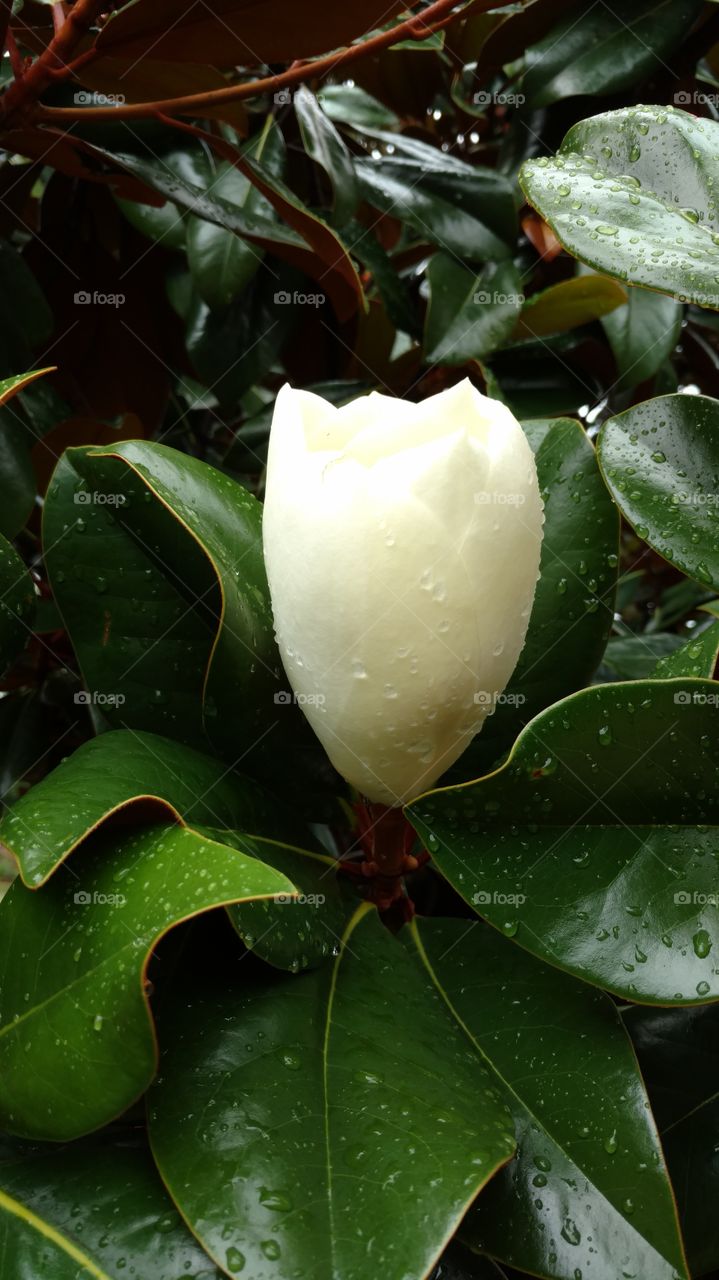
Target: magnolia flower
x,y
402,546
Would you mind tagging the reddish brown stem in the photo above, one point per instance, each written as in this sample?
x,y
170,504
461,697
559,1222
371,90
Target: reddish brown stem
x,y
55,59
417,27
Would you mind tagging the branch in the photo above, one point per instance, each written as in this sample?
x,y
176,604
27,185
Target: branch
x,y
418,27
54,60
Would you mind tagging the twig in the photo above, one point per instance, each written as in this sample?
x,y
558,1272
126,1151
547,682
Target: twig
x,y
53,61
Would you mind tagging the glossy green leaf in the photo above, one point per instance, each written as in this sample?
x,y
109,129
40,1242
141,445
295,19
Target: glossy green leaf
x,y
326,146
17,603
464,209
469,315
350,104
156,564
326,1094
574,601
9,387
77,1042
291,931
125,770
571,1201
642,335
101,1197
636,657
594,846
660,461
696,657
677,1052
569,304
631,193
221,262
598,49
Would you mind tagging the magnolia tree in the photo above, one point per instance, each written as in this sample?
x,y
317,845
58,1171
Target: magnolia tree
x,y
359,868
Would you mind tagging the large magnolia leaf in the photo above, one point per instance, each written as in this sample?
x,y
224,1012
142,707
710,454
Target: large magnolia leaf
x,y
305,1125
77,1044
594,846
631,192
17,603
94,1208
677,1052
574,601
156,564
119,770
239,31
660,460
572,1201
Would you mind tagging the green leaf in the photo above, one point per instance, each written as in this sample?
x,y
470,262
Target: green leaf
x,y
574,601
77,1043
222,263
291,932
465,209
17,604
598,50
469,316
102,1198
567,305
390,285
636,657
642,335
341,1065
349,104
327,148
156,564
9,387
124,770
594,846
696,657
677,1053
660,461
631,193
571,1201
